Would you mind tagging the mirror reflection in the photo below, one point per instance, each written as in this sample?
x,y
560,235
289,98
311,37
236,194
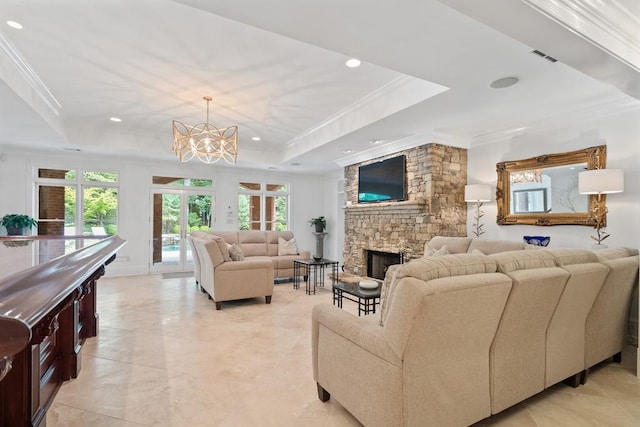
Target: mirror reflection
x,y
543,190
547,190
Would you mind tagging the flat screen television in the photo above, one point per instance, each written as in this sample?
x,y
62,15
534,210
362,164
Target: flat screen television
x,y
382,181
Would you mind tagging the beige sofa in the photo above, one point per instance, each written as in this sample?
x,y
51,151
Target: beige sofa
x,y
459,245
462,337
225,279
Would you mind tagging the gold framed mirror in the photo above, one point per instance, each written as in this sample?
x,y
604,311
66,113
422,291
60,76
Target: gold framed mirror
x,y
543,190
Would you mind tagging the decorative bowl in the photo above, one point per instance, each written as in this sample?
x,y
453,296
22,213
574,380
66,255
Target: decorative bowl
x,y
368,284
537,240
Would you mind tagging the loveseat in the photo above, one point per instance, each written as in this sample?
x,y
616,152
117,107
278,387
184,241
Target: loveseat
x,y
232,265
465,336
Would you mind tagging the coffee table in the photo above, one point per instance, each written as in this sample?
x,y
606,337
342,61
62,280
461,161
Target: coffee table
x,y
367,299
315,272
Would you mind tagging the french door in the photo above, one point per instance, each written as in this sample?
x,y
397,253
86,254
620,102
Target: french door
x,y
175,213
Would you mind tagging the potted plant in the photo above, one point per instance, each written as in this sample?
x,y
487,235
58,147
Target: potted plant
x,y
320,223
16,224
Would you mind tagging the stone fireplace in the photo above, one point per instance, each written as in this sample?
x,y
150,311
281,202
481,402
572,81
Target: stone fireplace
x,y
435,179
378,262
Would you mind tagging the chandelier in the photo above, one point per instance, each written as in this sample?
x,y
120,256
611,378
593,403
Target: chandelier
x,y
205,142
526,176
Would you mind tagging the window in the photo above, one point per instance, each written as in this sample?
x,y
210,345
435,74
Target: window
x,y
182,182
263,206
71,203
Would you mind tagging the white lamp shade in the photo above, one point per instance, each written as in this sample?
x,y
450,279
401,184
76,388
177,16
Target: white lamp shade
x,y
477,193
601,181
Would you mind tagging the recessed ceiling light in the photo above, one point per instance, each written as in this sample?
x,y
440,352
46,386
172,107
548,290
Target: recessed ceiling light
x,y
14,24
115,119
353,63
255,138
295,164
504,82
375,141
347,151
272,168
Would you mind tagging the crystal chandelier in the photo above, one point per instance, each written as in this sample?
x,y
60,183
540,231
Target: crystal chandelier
x,y
204,141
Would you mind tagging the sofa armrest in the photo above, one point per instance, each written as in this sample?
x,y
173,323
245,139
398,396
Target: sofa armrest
x,y
246,264
305,254
361,331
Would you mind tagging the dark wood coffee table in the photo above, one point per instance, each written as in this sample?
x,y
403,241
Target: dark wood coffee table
x,y
367,299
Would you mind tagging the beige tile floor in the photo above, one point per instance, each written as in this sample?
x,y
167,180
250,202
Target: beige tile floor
x,y
165,357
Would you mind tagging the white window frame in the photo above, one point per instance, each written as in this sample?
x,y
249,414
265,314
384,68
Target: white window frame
x,y
80,184
264,193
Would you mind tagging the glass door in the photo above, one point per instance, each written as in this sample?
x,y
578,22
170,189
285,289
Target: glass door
x,y
175,213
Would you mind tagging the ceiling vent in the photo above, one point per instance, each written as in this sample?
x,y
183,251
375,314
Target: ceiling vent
x,y
544,55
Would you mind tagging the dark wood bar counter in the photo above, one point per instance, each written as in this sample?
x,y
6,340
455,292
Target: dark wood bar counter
x,y
47,311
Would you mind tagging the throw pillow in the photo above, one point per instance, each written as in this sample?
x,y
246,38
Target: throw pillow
x,y
287,247
235,252
442,251
222,245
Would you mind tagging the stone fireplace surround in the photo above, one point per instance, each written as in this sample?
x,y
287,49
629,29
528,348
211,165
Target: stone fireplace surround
x,y
435,178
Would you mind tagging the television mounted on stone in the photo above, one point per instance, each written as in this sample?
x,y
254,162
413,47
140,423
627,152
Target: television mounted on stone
x,y
382,181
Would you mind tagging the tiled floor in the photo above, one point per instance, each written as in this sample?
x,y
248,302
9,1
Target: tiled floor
x,y
166,357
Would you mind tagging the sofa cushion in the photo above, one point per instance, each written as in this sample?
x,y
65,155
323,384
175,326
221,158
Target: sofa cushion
x,y
213,249
432,252
429,268
489,247
222,245
573,256
455,245
287,247
523,260
253,243
230,237
235,252
614,253
204,235
273,238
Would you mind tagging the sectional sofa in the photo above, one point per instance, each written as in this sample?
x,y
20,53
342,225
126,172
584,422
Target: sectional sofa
x,y
465,336
259,259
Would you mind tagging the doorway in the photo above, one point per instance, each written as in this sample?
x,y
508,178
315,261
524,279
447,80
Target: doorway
x,y
175,213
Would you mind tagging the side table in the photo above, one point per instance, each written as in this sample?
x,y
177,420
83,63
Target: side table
x,y
315,273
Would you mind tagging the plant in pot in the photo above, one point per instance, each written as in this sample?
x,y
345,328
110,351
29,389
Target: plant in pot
x,y
320,223
16,224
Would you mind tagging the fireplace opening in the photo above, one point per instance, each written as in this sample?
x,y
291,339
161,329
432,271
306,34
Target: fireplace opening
x,y
378,262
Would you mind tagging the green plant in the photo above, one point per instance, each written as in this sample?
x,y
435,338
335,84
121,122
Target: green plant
x,y
18,221
319,221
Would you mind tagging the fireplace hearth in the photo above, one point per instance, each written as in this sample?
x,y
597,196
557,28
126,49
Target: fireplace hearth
x,y
378,262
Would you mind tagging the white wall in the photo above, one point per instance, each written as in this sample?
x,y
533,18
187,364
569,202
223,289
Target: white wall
x,y
17,190
333,211
621,134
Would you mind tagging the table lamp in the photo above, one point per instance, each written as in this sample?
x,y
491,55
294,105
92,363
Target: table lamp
x,y
477,193
599,182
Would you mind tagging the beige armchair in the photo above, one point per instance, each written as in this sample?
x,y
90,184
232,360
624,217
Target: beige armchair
x,y
226,280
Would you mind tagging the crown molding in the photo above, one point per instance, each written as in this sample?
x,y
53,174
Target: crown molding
x,y
25,82
395,96
385,149
579,118
607,24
